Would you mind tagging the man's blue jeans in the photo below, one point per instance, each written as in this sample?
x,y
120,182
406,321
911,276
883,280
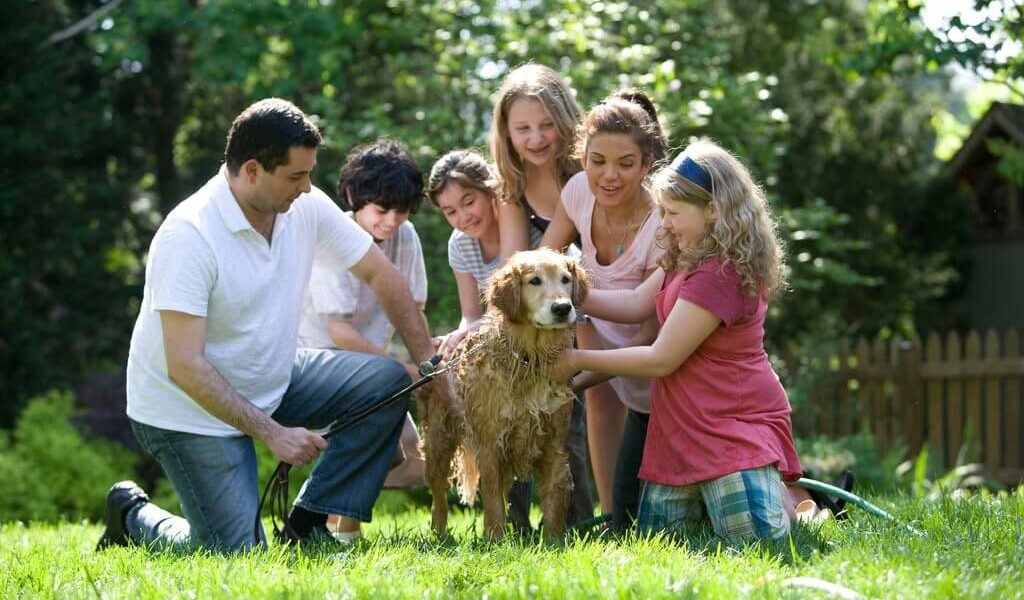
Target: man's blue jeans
x,y
215,477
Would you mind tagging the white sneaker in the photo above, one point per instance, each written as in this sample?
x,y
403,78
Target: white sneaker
x,y
347,537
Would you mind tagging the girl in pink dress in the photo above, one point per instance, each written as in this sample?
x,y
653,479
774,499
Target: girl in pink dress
x,y
719,443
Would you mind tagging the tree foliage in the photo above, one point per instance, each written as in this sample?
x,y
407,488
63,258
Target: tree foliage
x,y
107,130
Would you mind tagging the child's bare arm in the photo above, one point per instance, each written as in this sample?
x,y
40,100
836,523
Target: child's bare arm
x,y
687,326
561,231
587,379
469,302
346,337
625,306
513,228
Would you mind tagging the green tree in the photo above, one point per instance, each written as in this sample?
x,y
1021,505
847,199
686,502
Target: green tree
x,y
68,236
112,123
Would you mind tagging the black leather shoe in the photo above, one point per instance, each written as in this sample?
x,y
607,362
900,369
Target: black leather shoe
x,y
837,506
122,496
845,482
319,536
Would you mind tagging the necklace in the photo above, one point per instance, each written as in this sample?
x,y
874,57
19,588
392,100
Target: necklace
x,y
620,248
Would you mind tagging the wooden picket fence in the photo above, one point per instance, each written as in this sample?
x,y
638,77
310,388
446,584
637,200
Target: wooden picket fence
x,y
947,392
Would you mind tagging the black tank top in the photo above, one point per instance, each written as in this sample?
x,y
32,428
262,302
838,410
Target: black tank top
x,y
540,222
535,220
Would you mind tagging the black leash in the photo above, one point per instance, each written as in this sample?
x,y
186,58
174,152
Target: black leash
x,y
277,488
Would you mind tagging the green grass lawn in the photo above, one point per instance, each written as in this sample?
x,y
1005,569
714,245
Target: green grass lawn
x,y
967,548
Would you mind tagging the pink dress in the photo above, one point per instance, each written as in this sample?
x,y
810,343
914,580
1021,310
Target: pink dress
x,y
626,273
723,410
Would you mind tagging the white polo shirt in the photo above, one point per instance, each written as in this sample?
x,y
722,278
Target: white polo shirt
x,y
342,296
207,260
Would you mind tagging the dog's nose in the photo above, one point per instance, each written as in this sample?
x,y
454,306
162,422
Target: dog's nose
x,y
561,309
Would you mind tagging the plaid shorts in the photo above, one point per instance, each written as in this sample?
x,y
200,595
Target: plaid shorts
x,y
742,505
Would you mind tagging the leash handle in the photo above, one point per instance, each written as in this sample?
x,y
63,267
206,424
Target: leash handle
x,y
341,425
277,493
428,367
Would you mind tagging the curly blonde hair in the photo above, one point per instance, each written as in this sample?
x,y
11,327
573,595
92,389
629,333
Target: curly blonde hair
x,y
741,231
546,86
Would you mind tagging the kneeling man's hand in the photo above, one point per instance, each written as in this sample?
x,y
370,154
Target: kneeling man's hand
x,y
296,446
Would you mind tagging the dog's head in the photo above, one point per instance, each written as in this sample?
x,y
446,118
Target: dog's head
x,y
540,287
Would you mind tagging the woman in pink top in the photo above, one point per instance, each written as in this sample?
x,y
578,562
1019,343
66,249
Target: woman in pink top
x,y
719,442
608,209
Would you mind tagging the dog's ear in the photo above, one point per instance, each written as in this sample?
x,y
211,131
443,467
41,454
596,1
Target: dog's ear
x,y
504,291
580,282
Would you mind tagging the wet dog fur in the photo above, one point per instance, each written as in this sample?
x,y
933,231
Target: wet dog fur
x,y
516,414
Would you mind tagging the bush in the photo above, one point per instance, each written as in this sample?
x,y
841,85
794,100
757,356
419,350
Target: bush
x,y
825,457
51,471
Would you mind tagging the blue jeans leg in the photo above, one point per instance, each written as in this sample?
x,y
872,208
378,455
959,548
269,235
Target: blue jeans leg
x,y
626,486
330,385
216,482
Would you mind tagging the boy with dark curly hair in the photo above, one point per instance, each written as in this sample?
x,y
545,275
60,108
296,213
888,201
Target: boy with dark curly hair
x,y
381,186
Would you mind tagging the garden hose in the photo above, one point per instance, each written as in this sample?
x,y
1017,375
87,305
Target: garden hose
x,y
588,524
831,490
804,482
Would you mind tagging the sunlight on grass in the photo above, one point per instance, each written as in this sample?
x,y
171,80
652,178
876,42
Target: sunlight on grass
x,y
972,547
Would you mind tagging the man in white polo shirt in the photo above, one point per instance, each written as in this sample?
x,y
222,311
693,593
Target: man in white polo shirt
x,y
214,361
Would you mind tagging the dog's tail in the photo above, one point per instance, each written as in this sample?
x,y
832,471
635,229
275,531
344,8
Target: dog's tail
x,y
467,473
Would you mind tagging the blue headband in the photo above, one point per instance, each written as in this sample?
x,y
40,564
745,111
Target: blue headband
x,y
690,170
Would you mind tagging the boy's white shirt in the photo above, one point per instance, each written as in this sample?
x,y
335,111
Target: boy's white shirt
x,y
341,295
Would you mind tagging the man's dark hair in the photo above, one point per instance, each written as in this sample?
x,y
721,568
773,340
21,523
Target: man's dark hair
x,y
383,173
266,131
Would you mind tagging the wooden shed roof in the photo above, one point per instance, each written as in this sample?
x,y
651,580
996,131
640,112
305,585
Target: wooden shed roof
x,y
1002,120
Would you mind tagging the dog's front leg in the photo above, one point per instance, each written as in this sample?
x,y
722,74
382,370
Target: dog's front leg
x,y
493,495
553,471
441,439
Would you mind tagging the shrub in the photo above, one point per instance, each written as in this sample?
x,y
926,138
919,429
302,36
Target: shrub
x,y
825,457
50,470
926,479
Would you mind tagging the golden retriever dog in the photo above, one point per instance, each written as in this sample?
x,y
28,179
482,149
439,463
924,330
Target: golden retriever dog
x,y
516,414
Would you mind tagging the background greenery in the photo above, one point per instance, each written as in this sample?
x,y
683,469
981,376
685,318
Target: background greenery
x,y
832,103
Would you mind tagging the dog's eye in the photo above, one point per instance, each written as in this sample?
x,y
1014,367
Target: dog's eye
x,y
534,281
565,279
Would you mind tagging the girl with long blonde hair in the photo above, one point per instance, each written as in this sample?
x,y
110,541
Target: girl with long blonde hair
x,y
719,442
531,141
532,132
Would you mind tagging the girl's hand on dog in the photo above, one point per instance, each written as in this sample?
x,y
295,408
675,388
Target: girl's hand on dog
x,y
565,367
587,379
449,342
445,345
